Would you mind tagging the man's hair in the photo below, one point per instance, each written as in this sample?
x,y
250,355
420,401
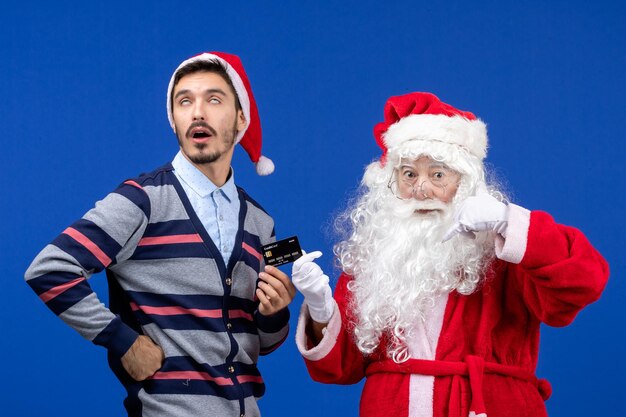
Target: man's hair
x,y
214,66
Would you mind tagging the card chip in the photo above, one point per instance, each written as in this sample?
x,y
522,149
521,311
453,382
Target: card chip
x,y
282,252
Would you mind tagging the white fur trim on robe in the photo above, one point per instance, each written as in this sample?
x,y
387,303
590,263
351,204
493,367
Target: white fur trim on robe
x,y
423,345
513,248
328,341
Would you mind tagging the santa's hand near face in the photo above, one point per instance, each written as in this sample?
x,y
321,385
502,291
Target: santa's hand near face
x,y
479,213
311,281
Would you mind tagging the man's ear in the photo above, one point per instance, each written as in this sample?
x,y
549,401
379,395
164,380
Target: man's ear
x,y
241,121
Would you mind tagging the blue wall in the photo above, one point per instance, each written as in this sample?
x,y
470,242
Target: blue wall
x,y
83,107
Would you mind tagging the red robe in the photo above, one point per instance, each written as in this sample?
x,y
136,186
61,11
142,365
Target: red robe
x,y
476,355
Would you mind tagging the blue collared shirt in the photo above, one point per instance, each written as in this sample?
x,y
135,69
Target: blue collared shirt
x,y
216,207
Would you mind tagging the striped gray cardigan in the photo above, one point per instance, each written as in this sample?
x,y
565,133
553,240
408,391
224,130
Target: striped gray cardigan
x,y
167,280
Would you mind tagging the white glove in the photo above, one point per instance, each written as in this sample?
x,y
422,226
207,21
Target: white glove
x,y
478,214
311,281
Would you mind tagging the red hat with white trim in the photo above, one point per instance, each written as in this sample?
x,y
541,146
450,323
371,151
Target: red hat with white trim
x,y
250,136
422,116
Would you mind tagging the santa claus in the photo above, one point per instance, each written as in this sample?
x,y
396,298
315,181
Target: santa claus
x,y
445,283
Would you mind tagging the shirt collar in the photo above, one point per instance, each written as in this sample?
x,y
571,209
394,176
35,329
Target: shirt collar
x,y
199,182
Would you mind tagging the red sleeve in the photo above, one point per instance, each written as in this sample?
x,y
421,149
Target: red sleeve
x,y
336,359
560,272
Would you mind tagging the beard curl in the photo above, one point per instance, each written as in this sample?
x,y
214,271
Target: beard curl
x,y
399,262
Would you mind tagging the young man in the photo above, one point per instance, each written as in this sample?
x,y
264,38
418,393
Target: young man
x,y
445,285
190,310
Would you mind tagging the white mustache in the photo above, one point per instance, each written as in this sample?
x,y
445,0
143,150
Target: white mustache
x,y
407,208
430,205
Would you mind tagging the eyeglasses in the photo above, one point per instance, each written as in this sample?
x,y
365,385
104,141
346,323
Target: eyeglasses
x,y
405,183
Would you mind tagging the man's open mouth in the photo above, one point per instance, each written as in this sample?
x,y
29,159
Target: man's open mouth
x,y
199,133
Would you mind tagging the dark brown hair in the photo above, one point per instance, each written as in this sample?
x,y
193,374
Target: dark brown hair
x,y
215,66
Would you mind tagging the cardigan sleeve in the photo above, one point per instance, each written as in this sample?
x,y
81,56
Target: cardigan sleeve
x,y
336,359
555,266
273,330
59,273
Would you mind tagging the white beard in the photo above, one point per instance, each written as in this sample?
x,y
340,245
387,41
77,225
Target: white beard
x,y
400,264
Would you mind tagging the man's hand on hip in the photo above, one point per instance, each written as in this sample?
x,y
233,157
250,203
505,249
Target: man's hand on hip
x,y
143,358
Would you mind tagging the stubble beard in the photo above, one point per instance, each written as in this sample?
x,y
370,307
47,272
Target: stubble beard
x,y
201,158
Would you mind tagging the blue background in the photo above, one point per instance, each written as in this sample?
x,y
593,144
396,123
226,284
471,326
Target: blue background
x,y
83,107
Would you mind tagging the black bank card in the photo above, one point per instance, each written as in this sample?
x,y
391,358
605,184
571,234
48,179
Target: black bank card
x,y
282,252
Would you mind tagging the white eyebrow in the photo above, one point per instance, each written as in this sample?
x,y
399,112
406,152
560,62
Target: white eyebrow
x,y
438,165
431,165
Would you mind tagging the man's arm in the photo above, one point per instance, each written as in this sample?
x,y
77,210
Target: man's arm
x,y
334,358
558,270
105,235
275,291
311,281
316,332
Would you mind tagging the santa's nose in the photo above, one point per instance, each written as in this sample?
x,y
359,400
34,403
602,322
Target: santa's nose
x,y
422,190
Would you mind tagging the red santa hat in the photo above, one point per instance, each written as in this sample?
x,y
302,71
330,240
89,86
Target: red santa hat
x,y
423,117
250,137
